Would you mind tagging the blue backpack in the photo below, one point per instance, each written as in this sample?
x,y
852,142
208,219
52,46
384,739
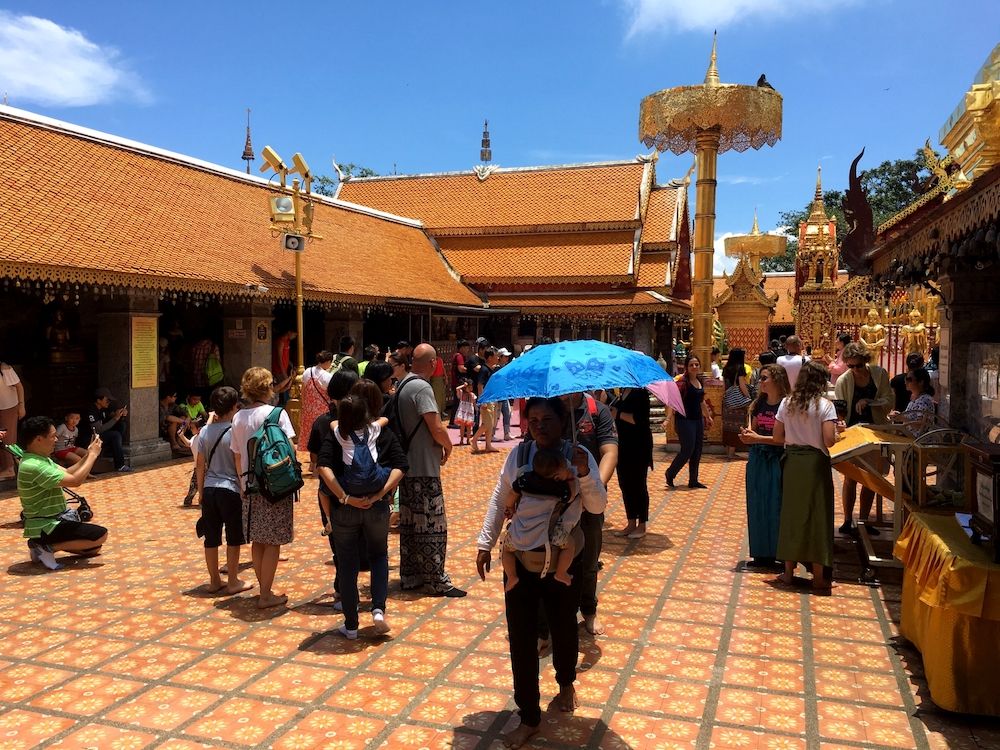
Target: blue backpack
x,y
364,476
274,471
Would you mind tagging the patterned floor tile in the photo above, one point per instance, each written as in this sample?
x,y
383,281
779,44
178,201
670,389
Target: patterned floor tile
x,y
243,721
103,736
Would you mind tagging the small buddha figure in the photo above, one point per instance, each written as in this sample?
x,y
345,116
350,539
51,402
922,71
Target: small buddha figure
x,y
915,334
873,335
58,332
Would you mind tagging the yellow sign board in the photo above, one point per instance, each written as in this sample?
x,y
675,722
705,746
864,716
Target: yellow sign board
x,y
144,352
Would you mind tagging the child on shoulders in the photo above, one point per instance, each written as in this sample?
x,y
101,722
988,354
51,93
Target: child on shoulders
x,y
546,486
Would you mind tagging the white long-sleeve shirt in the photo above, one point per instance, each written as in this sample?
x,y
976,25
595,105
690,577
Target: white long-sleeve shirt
x,y
593,495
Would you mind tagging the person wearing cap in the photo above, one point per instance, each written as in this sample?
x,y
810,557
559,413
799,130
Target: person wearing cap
x,y
109,425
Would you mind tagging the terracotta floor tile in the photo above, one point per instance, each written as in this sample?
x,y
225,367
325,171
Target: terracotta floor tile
x,y
244,721
103,736
162,708
86,695
132,645
26,729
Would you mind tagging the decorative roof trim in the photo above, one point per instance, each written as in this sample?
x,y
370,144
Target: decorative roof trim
x,y
503,170
25,117
476,231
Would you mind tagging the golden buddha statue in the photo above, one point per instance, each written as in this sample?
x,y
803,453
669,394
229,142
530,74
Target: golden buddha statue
x,y
915,334
872,335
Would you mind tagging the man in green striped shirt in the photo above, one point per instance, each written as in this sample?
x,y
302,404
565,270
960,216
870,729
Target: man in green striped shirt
x,y
48,525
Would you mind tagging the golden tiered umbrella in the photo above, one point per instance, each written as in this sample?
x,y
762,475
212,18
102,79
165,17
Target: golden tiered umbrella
x,y
707,120
756,245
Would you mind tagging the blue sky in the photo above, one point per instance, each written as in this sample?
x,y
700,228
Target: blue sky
x,y
406,85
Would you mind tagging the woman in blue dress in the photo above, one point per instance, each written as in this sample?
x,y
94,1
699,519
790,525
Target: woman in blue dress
x,y
764,468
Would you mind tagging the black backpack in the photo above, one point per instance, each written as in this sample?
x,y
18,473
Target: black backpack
x,y
396,422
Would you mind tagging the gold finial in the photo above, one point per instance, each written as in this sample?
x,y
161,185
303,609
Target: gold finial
x,y
755,229
818,212
486,153
712,76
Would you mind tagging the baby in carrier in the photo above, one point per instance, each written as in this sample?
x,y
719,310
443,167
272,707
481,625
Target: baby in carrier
x,y
542,510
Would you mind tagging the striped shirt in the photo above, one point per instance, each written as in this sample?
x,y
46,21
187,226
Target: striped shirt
x,y
42,499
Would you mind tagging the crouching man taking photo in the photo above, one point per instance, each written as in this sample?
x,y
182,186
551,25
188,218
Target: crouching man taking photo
x,y
49,524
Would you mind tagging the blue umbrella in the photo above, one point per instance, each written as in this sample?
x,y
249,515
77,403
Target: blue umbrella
x,y
571,367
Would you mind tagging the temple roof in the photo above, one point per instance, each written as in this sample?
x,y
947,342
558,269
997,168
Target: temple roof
x,y
520,199
84,206
555,258
660,226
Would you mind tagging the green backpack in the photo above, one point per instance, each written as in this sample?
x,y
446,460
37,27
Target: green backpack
x,y
214,373
274,471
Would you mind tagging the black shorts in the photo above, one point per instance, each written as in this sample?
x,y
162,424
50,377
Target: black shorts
x,y
73,531
221,507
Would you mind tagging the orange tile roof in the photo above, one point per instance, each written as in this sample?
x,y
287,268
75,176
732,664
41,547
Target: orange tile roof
x,y
537,196
570,303
654,270
558,258
87,207
660,225
784,285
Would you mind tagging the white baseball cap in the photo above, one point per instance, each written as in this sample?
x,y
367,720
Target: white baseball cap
x,y
504,351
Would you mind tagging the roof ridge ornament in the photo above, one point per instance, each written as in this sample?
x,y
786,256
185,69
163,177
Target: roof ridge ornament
x,y
248,154
486,152
485,170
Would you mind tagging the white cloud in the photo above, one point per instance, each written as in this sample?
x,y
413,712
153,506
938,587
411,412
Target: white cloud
x,y
52,65
743,179
706,15
720,261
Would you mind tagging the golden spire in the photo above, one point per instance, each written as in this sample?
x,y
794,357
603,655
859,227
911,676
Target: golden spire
x,y
755,229
818,213
712,76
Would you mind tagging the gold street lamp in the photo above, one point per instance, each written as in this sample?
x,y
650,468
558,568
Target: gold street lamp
x,y
292,217
709,119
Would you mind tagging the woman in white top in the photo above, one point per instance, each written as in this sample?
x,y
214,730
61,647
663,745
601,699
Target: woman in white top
x,y
806,423
266,525
315,400
11,410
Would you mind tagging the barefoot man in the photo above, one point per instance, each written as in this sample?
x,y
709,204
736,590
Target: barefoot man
x,y
546,419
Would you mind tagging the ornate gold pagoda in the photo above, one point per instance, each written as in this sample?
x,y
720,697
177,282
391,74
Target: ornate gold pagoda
x,y
816,265
709,119
744,309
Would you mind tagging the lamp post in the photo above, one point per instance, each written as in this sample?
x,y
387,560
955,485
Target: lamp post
x,y
292,217
707,120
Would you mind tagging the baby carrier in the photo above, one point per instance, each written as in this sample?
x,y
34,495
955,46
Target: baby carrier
x,y
540,560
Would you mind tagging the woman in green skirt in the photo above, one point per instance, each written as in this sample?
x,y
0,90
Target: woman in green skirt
x,y
764,468
806,423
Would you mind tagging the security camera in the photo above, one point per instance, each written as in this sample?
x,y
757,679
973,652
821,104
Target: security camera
x,y
272,161
299,166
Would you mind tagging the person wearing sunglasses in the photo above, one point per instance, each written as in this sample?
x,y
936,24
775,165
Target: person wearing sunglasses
x,y
918,416
865,389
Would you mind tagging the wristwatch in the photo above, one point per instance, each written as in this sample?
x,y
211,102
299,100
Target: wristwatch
x,y
343,500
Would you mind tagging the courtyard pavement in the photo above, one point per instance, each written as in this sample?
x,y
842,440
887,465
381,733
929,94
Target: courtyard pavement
x,y
120,651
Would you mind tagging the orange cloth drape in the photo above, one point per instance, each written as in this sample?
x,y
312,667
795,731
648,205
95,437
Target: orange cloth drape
x,y
951,612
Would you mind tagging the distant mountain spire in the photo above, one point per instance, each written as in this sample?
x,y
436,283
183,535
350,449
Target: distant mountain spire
x,y
248,148
486,153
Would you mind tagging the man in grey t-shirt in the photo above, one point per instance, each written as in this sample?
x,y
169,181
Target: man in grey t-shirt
x,y
423,527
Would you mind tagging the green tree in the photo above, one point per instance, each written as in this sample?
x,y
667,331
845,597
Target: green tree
x,y
891,187
325,185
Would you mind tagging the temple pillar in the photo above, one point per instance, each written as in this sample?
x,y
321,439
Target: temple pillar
x,y
642,336
247,334
967,319
127,364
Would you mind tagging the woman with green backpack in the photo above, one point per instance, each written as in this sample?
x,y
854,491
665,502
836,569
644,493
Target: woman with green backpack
x,y
270,475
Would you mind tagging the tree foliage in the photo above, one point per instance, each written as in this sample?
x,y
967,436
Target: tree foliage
x,y
326,185
890,187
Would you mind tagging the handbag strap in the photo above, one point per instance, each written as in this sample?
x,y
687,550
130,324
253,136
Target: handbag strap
x,y
211,453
